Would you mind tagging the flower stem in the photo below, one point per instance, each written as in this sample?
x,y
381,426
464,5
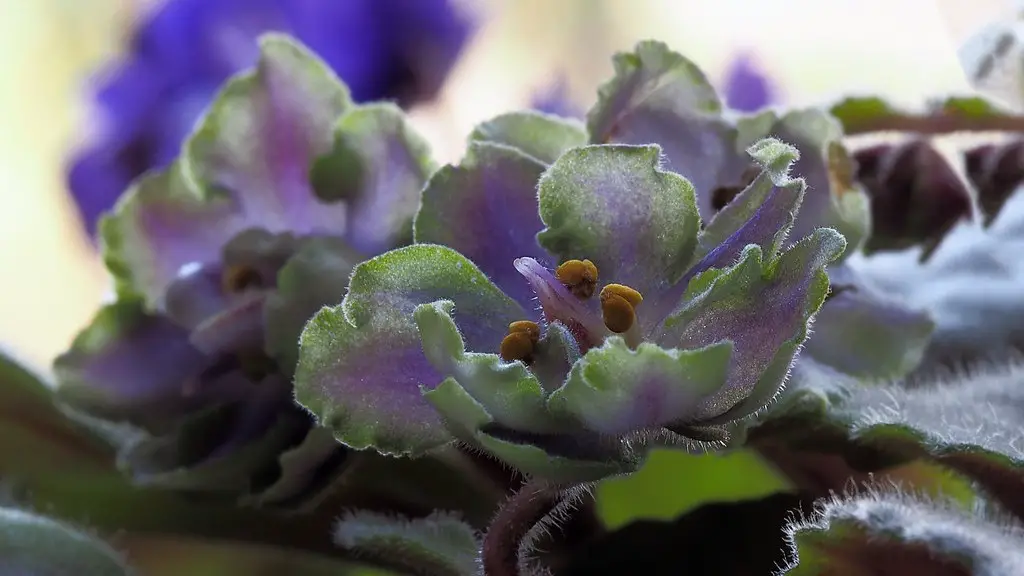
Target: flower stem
x,y
513,521
934,124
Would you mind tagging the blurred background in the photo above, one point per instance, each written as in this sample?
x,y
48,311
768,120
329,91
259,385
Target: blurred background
x,y
519,52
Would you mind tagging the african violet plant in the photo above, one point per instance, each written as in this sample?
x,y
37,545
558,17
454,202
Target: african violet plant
x,y
600,347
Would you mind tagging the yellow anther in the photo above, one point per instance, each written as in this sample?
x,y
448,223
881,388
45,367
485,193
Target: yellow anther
x,y
579,276
618,307
525,327
517,346
239,278
625,292
523,336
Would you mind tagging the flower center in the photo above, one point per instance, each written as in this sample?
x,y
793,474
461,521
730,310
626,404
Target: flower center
x,y
239,278
579,276
618,310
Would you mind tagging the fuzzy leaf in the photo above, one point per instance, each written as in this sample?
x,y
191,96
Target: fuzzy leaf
x,y
438,545
897,533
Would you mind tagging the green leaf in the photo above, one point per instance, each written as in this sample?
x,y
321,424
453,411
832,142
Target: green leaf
x,y
361,363
438,545
616,390
614,205
33,545
542,136
857,113
671,483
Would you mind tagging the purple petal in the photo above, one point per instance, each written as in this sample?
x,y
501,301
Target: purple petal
x,y
240,327
486,208
130,365
96,180
762,307
761,215
251,159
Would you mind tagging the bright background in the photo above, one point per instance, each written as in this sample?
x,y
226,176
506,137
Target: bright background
x,y
50,282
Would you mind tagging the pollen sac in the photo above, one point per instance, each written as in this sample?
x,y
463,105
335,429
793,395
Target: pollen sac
x,y
618,307
239,278
522,337
579,276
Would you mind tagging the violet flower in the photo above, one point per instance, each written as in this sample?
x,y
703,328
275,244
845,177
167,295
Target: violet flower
x,y
650,321
746,87
217,264
148,103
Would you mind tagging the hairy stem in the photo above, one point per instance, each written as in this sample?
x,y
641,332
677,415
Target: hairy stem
x,y
934,124
511,524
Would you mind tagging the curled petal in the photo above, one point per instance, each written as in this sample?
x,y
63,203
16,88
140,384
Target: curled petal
x,y
361,364
560,459
762,215
510,393
486,208
834,197
377,167
616,390
764,308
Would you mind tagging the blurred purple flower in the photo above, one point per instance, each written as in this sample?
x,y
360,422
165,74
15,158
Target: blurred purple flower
x,y
555,99
383,49
746,87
